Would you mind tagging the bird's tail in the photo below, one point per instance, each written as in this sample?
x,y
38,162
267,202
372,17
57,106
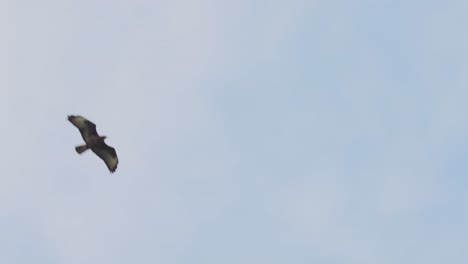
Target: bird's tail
x,y
81,149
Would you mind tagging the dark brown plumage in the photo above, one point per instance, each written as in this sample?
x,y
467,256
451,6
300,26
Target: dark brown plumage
x,y
94,142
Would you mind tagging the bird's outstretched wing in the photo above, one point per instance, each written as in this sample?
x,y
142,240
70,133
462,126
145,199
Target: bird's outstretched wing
x,y
86,127
108,155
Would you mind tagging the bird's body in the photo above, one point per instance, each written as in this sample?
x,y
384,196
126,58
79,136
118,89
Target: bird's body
x,y
94,141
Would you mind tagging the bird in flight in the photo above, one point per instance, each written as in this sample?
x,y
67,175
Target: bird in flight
x,y
94,142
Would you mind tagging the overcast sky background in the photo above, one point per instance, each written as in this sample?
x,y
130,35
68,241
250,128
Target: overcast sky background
x,y
294,131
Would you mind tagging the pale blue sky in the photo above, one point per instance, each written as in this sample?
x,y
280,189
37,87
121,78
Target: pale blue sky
x,y
247,131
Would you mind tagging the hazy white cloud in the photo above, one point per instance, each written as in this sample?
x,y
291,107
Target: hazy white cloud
x,y
273,132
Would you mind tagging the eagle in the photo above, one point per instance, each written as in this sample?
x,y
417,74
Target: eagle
x,y
94,141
